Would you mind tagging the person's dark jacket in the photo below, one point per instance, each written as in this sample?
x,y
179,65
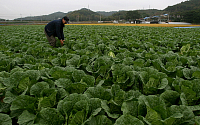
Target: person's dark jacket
x,y
55,28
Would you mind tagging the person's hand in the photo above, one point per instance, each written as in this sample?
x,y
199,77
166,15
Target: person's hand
x,y
62,42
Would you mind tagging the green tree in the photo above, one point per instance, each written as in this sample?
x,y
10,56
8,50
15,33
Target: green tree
x,y
192,16
132,15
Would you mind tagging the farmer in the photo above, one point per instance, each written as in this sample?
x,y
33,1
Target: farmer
x,y
55,29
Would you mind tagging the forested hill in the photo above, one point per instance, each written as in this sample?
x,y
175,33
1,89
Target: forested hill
x,y
52,16
184,6
77,15
83,14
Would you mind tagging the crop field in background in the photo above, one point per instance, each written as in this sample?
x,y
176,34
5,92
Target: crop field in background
x,y
103,75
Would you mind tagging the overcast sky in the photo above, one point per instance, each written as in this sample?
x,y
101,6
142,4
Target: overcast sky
x,y
11,9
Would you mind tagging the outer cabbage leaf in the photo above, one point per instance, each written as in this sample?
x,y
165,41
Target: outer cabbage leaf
x,y
119,73
60,72
132,95
188,115
196,74
99,120
117,95
21,103
130,107
153,102
153,117
78,118
108,110
4,107
79,113
9,97
170,97
49,116
77,87
47,99
89,80
197,120
15,78
63,83
188,73
4,74
77,75
22,81
171,119
128,120
152,80
37,88
66,105
177,83
94,106
101,66
189,95
74,61
5,119
26,118
98,92
196,87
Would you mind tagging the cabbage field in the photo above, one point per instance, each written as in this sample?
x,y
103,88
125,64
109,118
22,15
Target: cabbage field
x,y
103,75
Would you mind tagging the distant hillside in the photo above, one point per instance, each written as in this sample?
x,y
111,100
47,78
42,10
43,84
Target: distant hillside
x,y
52,16
184,6
150,12
83,14
77,15
188,11
121,15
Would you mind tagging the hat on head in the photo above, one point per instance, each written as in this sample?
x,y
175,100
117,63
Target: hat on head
x,y
66,19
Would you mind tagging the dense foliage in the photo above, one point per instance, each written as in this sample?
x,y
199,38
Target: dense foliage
x,y
192,16
187,11
102,75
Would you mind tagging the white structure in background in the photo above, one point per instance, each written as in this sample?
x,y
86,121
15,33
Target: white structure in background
x,y
115,21
146,20
100,21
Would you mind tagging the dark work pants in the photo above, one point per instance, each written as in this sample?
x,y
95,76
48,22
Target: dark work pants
x,y
51,39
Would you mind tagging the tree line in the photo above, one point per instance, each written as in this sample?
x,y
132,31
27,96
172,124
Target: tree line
x,y
88,15
190,16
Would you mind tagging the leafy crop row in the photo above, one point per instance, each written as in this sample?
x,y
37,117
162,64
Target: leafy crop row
x,y
102,75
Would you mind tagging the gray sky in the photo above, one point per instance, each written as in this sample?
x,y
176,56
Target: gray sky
x,y
11,9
